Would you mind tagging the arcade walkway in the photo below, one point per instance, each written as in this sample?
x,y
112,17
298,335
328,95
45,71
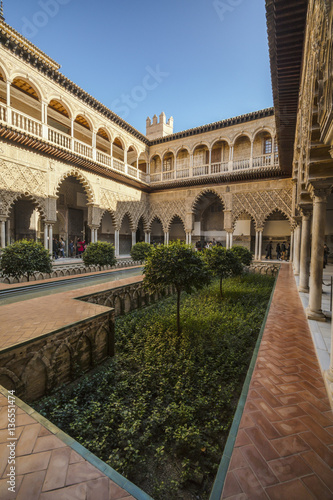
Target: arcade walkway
x,y
284,445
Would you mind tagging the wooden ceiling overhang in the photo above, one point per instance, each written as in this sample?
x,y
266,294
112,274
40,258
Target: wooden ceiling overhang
x,y
286,22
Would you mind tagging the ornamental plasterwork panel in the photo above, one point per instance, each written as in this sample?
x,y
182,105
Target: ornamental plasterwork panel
x,y
61,176
261,204
166,210
7,199
14,177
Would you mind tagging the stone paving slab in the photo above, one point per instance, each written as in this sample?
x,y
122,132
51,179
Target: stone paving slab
x,y
284,444
32,318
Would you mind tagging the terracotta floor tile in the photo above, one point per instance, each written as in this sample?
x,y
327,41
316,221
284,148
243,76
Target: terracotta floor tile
x,y
116,492
318,430
250,484
33,463
294,490
98,488
262,444
288,412
317,488
27,439
237,461
75,492
320,468
268,411
291,399
288,427
265,426
288,468
31,486
290,445
259,466
323,451
81,472
57,469
232,487
48,443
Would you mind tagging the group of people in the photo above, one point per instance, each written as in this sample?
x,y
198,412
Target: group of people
x,y
74,249
282,251
201,245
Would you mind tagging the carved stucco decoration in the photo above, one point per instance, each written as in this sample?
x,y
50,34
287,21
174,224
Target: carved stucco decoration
x,y
17,181
80,177
166,211
259,205
121,205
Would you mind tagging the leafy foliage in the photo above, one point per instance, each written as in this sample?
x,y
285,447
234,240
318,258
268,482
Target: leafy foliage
x,y
175,265
223,263
140,251
160,411
24,258
99,254
244,255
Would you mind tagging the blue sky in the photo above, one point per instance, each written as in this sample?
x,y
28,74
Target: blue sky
x,y
199,61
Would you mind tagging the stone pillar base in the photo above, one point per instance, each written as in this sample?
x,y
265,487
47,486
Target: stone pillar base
x,y
315,315
303,289
328,379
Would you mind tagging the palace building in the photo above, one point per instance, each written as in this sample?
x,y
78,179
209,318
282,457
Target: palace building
x,y
72,168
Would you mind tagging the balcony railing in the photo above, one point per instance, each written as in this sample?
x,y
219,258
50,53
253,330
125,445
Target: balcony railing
x,y
183,171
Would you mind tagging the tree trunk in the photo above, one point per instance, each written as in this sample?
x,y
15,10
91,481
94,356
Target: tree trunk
x,y
178,312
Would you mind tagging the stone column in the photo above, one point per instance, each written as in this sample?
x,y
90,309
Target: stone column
x,y
230,239
166,238
72,134
51,239
3,233
147,237
297,250
256,246
304,273
231,157
116,242
133,238
189,237
46,236
93,143
260,245
9,109
227,240
291,258
251,155
319,197
8,232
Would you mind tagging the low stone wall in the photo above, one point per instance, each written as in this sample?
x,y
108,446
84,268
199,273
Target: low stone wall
x,y
37,367
268,268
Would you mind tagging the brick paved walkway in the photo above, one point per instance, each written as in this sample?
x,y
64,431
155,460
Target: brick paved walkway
x,y
29,319
284,445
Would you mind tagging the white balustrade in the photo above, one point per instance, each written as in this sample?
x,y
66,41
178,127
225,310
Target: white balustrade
x,y
132,171
168,175
3,113
26,123
119,165
241,164
262,161
58,138
102,158
217,168
182,173
200,170
82,148
155,177
142,176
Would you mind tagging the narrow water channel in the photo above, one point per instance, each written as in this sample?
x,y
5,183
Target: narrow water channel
x,y
34,290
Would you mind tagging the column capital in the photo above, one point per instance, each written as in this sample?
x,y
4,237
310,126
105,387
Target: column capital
x,y
306,211
320,193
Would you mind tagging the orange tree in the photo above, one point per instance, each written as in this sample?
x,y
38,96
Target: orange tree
x,y
223,263
176,265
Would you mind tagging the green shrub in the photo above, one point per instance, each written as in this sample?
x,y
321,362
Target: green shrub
x,y
140,251
24,258
244,255
99,254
